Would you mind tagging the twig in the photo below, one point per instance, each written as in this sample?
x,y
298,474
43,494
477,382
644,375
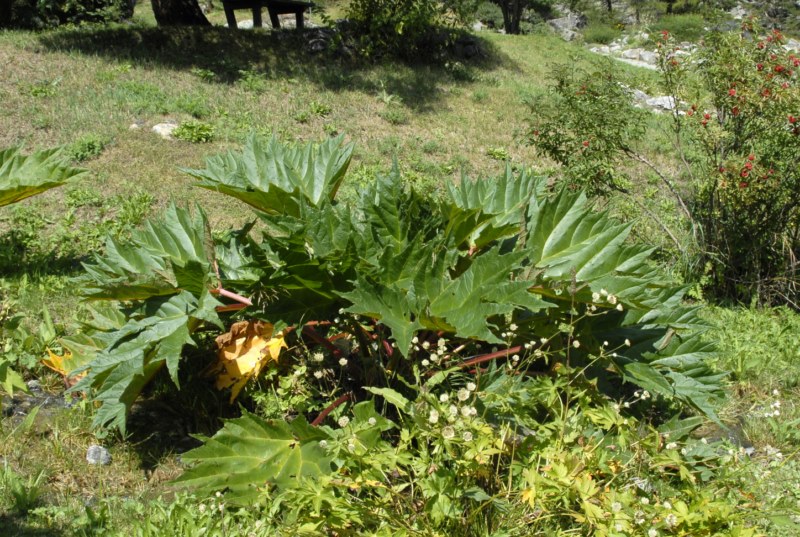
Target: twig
x,y
324,414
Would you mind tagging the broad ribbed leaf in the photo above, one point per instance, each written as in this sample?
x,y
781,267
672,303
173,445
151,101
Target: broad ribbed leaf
x,y
138,350
24,176
485,290
482,211
250,454
164,258
275,178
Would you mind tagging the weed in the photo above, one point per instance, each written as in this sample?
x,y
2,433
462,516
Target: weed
x,y
395,116
196,132
23,494
252,81
498,153
86,147
204,74
319,109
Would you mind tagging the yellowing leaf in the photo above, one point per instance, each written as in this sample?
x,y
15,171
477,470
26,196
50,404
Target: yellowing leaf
x,y
63,365
243,352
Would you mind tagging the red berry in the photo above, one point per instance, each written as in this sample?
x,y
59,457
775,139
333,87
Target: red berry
x,y
586,143
707,115
732,92
751,157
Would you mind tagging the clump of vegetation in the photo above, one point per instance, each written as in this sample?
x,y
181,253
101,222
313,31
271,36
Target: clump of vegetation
x,y
196,132
87,147
731,183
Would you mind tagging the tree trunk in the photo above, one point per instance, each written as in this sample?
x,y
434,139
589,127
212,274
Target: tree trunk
x,y
5,13
512,13
608,5
178,13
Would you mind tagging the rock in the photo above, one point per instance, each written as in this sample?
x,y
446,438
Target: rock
x,y
165,130
246,24
738,12
568,26
98,455
661,103
792,45
648,57
602,49
631,54
477,26
639,96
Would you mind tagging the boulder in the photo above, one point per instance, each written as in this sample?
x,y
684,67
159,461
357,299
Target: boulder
x,y
165,130
567,27
98,455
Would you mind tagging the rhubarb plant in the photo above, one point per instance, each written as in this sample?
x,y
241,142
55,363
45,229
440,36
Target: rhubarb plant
x,y
21,177
402,290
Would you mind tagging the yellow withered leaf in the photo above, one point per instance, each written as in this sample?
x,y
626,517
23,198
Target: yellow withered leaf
x,y
243,352
63,365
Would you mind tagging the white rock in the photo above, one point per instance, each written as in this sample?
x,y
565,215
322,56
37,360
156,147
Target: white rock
x,y
246,24
661,103
631,54
165,130
648,57
738,12
477,26
98,455
602,49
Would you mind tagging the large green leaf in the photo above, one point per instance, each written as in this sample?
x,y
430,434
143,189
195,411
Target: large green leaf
x,y
482,211
24,176
250,454
274,177
135,352
166,257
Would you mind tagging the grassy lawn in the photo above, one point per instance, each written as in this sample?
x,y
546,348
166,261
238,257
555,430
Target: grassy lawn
x,y
98,91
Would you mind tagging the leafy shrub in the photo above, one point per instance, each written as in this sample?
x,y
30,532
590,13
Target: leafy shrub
x,y
688,27
600,32
42,13
736,148
490,14
196,132
394,26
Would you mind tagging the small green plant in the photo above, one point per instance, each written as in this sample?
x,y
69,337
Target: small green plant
x,y
252,81
319,109
498,153
302,116
23,494
394,115
204,74
86,147
43,89
196,132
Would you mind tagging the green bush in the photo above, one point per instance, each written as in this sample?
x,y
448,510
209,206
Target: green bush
x,y
737,149
600,32
44,13
684,27
490,14
395,27
86,147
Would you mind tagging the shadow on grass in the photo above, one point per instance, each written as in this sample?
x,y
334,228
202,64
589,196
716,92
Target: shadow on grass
x,y
16,260
272,55
16,526
164,420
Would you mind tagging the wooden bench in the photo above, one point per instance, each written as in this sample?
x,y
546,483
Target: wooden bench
x,y
274,7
